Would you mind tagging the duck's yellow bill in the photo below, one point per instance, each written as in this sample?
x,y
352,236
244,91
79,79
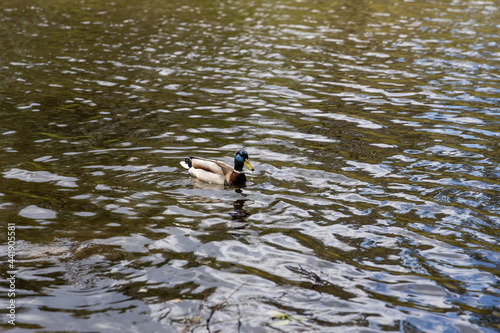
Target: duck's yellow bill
x,y
248,165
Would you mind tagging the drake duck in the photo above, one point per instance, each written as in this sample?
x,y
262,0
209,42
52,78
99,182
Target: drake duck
x,y
217,172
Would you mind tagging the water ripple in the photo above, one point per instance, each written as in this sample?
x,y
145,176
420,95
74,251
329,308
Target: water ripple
x,y
372,129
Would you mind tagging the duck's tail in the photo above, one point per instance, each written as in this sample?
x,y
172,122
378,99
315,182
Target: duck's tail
x,y
187,163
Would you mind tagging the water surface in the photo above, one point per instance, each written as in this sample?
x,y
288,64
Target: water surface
x,y
372,125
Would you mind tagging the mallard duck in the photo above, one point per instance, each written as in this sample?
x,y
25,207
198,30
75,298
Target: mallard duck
x,y
217,172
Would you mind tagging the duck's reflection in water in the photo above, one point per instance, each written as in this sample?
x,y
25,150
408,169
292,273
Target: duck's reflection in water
x,y
239,214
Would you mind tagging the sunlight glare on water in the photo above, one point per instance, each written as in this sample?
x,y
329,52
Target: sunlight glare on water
x,y
372,127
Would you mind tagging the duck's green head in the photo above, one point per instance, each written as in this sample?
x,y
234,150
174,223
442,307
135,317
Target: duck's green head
x,y
240,160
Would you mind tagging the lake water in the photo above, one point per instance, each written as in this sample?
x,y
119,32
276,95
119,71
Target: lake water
x,y
373,127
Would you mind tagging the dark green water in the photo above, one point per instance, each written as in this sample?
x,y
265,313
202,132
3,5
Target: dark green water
x,y
373,127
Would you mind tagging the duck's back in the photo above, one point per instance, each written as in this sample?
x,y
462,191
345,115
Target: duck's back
x,y
213,166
